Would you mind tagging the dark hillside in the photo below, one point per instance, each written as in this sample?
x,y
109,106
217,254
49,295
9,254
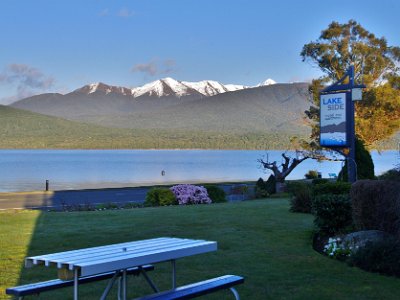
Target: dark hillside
x,y
81,106
26,130
277,108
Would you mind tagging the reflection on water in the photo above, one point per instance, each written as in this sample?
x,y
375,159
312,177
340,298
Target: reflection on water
x,y
23,170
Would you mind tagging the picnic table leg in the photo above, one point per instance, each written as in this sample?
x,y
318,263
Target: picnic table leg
x,y
150,282
124,285
109,286
235,293
76,283
173,273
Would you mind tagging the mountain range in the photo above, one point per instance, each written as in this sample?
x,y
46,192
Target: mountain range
x,y
171,104
170,87
100,98
166,113
263,112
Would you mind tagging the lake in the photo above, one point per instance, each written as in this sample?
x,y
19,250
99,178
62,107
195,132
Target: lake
x,y
27,170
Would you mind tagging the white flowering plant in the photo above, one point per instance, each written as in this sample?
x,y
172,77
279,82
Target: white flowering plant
x,y
335,248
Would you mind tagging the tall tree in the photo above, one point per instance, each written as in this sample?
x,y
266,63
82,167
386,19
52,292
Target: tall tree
x,y
341,45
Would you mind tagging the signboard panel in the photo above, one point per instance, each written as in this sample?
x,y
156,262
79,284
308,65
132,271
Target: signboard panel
x,y
333,120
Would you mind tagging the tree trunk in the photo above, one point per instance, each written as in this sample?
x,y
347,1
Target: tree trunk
x,y
280,172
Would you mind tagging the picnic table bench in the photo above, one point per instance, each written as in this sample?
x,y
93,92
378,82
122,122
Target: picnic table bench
x,y
199,289
117,261
36,288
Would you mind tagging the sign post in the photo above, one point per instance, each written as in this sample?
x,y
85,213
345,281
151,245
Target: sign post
x,y
337,126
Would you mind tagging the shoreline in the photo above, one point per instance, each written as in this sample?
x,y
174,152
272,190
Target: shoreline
x,y
58,200
125,187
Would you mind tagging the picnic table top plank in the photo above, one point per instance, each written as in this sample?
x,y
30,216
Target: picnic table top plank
x,y
90,261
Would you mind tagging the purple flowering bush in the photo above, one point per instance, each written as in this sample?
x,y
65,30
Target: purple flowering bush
x,y
190,194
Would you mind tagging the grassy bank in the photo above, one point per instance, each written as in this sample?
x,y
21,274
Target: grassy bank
x,y
260,240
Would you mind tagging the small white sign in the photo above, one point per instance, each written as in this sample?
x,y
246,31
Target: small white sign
x,y
356,94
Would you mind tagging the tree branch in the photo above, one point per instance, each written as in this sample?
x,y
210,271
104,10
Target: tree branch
x,y
285,168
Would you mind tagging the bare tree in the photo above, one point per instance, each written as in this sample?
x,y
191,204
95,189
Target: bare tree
x,y
288,164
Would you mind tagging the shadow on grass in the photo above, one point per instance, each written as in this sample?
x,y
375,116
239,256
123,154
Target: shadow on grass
x,y
62,231
61,200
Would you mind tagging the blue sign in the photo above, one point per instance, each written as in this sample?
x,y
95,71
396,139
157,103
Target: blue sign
x,y
333,127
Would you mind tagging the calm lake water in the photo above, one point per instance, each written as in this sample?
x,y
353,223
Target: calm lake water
x,y
27,170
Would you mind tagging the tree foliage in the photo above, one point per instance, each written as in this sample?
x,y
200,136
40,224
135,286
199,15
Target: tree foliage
x,y
342,45
364,162
378,114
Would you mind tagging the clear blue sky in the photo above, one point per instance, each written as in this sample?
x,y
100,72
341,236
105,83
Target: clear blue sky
x,y
58,46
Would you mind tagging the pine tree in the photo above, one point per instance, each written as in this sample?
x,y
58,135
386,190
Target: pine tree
x,y
364,162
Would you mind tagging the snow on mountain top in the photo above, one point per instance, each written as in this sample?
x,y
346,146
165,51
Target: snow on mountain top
x,y
93,87
163,87
269,81
97,86
235,87
211,87
206,87
104,88
170,87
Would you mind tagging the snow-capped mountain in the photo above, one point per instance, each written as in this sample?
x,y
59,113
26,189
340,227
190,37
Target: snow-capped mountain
x,y
171,87
164,87
235,87
104,88
169,104
269,81
211,88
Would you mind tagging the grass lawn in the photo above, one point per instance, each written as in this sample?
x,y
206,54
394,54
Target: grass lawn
x,y
260,240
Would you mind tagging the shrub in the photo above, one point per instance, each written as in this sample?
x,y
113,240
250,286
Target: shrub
x,y
261,189
332,213
382,257
301,197
393,174
376,205
270,185
160,197
312,174
319,181
190,194
260,183
335,188
365,164
216,194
